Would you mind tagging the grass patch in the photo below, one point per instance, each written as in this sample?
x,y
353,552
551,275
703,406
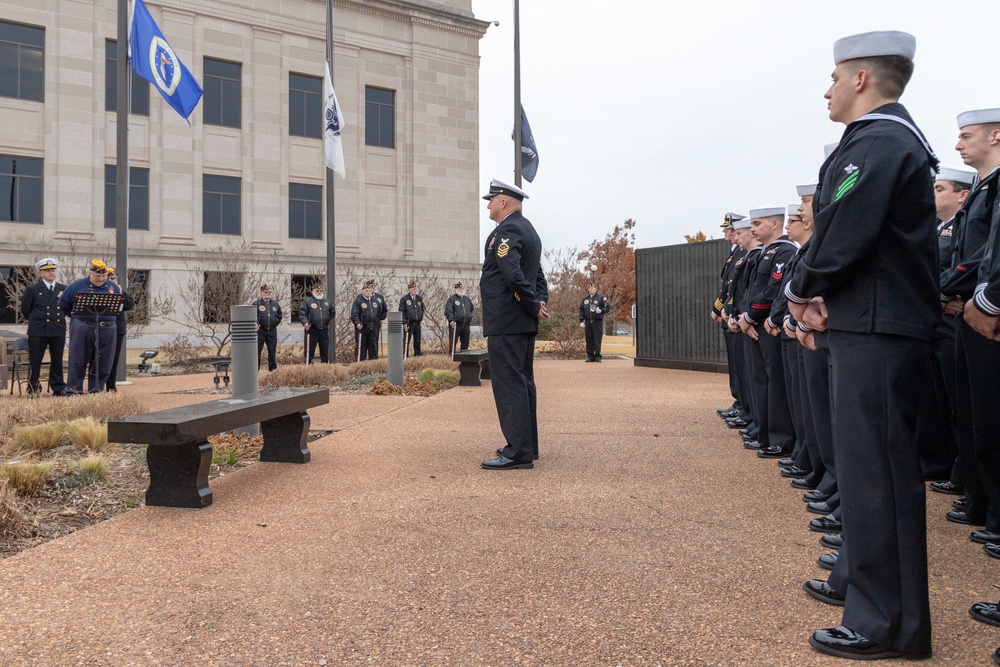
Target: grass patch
x,y
94,466
361,373
39,438
439,375
87,434
101,407
25,478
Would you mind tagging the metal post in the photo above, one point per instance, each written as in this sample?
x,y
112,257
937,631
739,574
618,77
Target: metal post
x,y
244,358
517,95
331,218
395,329
122,171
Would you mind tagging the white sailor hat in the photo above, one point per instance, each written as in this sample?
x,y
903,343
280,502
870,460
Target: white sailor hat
x,y
874,44
806,190
793,209
498,187
729,219
963,176
829,148
47,263
766,211
978,117
742,223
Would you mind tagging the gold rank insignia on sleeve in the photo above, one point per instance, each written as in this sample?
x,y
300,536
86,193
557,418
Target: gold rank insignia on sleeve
x,y
517,296
502,250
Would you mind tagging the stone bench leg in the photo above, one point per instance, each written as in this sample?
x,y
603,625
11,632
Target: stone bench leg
x,y
178,475
468,374
285,439
485,365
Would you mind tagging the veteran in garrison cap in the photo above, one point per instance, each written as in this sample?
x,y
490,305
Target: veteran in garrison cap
x,y
269,316
458,311
514,293
412,307
88,331
316,318
869,279
366,313
46,327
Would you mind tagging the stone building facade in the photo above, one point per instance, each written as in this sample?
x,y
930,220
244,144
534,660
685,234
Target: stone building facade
x,y
249,170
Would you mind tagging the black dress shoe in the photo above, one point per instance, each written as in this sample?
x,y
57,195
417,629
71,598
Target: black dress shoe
x,y
736,422
772,452
832,541
984,536
963,518
985,612
805,483
996,656
814,496
960,503
819,508
946,487
794,472
751,444
723,411
821,590
826,524
845,643
992,550
746,431
827,561
534,457
786,463
504,463
747,437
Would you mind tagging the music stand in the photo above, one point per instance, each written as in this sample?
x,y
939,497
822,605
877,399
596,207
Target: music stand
x,y
95,304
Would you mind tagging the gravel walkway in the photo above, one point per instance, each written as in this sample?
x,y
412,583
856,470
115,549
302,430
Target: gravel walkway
x,y
645,536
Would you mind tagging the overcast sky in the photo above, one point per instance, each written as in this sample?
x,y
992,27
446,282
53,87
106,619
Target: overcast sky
x,y
673,114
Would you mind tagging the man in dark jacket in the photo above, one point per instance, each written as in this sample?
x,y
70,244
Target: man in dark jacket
x,y
412,307
458,311
366,314
514,294
315,316
268,318
46,327
120,331
869,280
592,310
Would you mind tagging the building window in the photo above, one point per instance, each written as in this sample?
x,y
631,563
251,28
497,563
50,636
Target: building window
x,y
305,211
138,289
13,281
20,189
22,61
305,106
380,117
221,103
138,197
220,205
140,87
301,287
222,290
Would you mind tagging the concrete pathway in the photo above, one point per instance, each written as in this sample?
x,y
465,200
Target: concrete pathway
x,y
646,535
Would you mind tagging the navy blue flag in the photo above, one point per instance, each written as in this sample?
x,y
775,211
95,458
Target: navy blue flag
x,y
154,60
529,153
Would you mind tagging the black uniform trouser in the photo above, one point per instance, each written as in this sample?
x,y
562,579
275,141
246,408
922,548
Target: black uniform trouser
x,y
83,337
412,334
882,568
739,369
268,337
980,461
803,405
790,367
112,383
512,374
37,345
774,419
320,337
727,336
816,369
935,435
756,378
366,342
594,333
461,331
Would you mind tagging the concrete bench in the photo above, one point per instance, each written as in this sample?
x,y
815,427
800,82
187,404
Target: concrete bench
x,y
179,454
473,365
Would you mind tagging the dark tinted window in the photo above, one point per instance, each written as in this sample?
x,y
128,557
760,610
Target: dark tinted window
x,y
305,211
221,101
220,205
140,87
380,117
305,106
20,189
138,197
22,61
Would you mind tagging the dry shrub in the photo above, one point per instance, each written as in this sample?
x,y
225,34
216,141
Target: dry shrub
x,y
437,361
36,439
94,466
26,478
14,518
313,375
87,434
439,376
101,407
182,351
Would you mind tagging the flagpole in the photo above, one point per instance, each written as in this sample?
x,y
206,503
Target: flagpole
x,y
517,95
121,166
331,218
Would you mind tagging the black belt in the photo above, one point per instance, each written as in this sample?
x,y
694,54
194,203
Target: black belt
x,y
103,323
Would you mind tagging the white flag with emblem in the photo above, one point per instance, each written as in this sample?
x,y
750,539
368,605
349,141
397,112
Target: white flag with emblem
x,y
333,123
